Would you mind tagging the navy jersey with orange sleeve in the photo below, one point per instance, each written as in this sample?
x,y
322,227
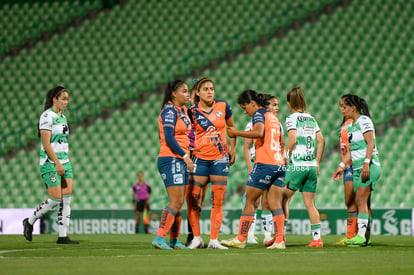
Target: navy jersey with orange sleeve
x,y
268,148
343,139
174,126
210,130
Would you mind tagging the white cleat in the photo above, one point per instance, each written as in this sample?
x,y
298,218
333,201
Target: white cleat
x,y
267,237
234,242
252,240
197,242
214,244
276,245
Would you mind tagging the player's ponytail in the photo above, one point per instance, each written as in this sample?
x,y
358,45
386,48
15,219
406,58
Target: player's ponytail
x,y
359,103
296,99
169,89
363,105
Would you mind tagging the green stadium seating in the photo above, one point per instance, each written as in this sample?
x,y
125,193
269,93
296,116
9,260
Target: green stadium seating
x,y
327,58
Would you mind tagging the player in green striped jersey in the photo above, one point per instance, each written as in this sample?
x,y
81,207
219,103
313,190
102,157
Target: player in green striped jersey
x,y
305,149
55,167
365,161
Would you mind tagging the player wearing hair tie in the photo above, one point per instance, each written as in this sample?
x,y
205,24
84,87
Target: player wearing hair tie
x,y
55,167
212,159
365,162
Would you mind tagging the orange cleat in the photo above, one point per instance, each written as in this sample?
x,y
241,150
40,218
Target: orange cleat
x,y
316,243
269,243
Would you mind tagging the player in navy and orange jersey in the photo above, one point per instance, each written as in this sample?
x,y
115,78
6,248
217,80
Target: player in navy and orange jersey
x,y
174,161
351,225
269,167
212,159
249,155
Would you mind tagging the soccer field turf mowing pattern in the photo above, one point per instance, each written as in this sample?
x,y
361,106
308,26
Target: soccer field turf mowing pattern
x,y
133,254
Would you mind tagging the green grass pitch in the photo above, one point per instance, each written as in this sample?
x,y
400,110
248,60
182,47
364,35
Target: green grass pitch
x,y
133,254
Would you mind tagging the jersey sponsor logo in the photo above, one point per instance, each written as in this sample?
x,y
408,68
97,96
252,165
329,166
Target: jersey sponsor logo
x,y
304,118
178,179
169,114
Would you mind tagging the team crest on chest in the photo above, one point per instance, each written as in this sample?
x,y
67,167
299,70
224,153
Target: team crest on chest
x,y
219,114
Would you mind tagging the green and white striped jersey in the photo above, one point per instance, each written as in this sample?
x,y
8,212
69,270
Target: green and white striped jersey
x,y
50,120
304,153
357,143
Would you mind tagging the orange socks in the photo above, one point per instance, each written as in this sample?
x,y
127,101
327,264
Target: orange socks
x,y
279,224
216,217
244,225
175,228
352,225
167,220
193,210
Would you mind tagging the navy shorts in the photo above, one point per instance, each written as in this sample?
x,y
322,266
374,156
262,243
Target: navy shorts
x,y
218,167
348,174
173,171
264,175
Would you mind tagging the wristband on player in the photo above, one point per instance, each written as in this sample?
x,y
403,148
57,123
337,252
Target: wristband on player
x,y
342,165
185,155
367,161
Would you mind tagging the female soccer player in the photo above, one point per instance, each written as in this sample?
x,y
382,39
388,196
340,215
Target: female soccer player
x,y
249,156
365,162
212,159
174,161
303,169
351,225
269,168
55,167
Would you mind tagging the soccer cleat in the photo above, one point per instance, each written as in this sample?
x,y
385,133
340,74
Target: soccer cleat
x,y
367,243
176,244
160,243
276,245
234,242
252,240
190,237
316,243
214,244
341,241
269,242
356,241
197,242
66,240
267,237
27,229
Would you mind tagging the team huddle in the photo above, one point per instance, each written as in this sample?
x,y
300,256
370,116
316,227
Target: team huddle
x,y
194,152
